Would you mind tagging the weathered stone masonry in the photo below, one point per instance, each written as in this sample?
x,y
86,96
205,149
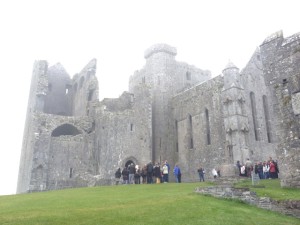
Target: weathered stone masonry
x,y
173,111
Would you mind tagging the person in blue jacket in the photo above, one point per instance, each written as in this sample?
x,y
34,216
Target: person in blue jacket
x,y
177,173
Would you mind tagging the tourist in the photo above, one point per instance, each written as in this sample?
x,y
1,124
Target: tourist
x,y
168,165
238,165
165,172
201,173
260,170
243,171
118,176
266,169
149,173
125,175
131,173
214,173
177,173
249,167
157,173
272,170
137,175
144,174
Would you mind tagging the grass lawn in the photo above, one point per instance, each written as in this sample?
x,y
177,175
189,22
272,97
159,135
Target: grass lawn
x,y
133,204
271,188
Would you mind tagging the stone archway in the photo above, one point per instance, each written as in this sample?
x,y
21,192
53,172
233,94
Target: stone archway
x,y
129,162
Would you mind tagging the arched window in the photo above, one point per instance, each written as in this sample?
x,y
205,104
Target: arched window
x,y
65,129
254,116
267,117
208,140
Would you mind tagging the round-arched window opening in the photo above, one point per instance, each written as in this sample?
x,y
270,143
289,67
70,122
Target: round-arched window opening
x,y
65,129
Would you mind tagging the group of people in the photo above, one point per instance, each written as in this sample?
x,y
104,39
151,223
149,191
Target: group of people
x,y
265,170
215,173
148,174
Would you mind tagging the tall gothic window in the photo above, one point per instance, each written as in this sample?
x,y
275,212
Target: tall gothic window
x,y
267,117
254,116
208,140
176,134
190,132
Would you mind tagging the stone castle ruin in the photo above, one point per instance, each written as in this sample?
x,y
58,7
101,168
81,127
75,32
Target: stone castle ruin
x,y
173,111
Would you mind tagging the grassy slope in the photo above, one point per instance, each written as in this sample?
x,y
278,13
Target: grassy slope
x,y
132,204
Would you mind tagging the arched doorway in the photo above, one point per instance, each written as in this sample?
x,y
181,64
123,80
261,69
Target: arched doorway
x,y
129,162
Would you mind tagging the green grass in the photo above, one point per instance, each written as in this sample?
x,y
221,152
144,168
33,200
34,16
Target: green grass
x,y
133,204
272,189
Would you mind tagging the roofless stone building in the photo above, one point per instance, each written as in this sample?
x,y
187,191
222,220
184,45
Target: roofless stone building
x,y
173,111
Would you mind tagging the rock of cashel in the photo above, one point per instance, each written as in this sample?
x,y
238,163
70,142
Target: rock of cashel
x,y
173,111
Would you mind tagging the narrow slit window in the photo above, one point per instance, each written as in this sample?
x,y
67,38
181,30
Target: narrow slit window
x,y
254,116
267,118
208,138
71,173
190,132
131,127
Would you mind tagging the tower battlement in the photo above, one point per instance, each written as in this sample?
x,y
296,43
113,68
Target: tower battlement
x,y
160,48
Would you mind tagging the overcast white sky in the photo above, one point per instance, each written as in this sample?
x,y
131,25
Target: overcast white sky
x,y
117,32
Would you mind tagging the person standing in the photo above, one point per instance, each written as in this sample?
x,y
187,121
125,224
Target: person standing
x,y
177,173
201,174
266,170
149,173
125,175
238,165
249,167
137,175
272,170
118,176
165,172
168,165
214,173
157,173
131,173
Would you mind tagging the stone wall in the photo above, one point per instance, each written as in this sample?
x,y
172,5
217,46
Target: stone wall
x,y
200,128
281,61
289,207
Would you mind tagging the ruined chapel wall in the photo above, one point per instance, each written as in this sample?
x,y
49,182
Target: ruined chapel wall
x,y
35,103
203,152
54,156
57,99
85,89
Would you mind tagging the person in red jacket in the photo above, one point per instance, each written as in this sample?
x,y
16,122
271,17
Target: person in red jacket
x,y
272,170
